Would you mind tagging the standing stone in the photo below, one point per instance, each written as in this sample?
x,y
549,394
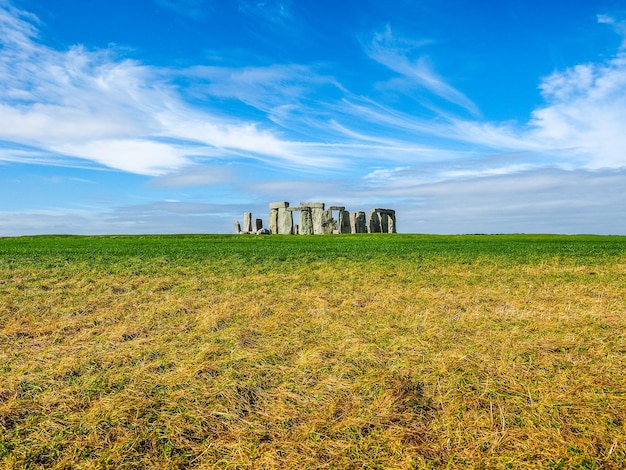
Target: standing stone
x,y
393,228
384,222
285,221
306,221
360,223
317,215
374,225
274,220
247,222
258,224
344,221
237,227
328,223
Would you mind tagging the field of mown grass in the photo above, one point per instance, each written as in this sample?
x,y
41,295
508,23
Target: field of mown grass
x,y
364,351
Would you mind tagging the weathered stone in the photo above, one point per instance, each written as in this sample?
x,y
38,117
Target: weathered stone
x,y
285,222
263,231
274,220
344,221
318,215
258,224
387,220
360,223
337,208
329,224
317,205
374,222
279,205
237,226
306,221
384,222
393,228
247,222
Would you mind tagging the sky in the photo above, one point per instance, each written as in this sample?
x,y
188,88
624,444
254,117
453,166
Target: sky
x,y
177,116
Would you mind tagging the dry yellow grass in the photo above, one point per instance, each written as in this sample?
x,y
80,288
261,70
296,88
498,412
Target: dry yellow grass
x,y
384,363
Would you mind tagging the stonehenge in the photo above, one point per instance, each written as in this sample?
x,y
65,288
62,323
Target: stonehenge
x,y
315,219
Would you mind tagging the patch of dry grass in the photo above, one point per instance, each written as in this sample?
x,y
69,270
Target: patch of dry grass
x,y
337,363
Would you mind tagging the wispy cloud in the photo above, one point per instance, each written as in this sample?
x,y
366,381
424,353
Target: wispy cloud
x,y
275,13
618,25
397,54
263,87
119,113
205,175
18,26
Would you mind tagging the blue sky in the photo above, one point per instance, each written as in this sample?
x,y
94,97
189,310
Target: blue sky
x,y
176,116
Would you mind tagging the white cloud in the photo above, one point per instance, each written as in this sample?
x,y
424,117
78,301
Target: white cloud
x,y
18,26
605,19
586,111
581,123
386,174
94,106
538,201
206,175
134,156
618,26
395,53
263,87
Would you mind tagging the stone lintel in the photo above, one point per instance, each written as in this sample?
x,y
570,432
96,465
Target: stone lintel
x,y
337,208
389,211
293,209
279,205
314,205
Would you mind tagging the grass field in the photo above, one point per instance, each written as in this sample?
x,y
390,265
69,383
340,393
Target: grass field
x,y
365,351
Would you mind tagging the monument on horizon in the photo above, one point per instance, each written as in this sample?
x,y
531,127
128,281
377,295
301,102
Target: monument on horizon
x,y
316,219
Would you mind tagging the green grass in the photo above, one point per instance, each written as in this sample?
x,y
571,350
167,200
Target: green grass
x,y
365,351
509,248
